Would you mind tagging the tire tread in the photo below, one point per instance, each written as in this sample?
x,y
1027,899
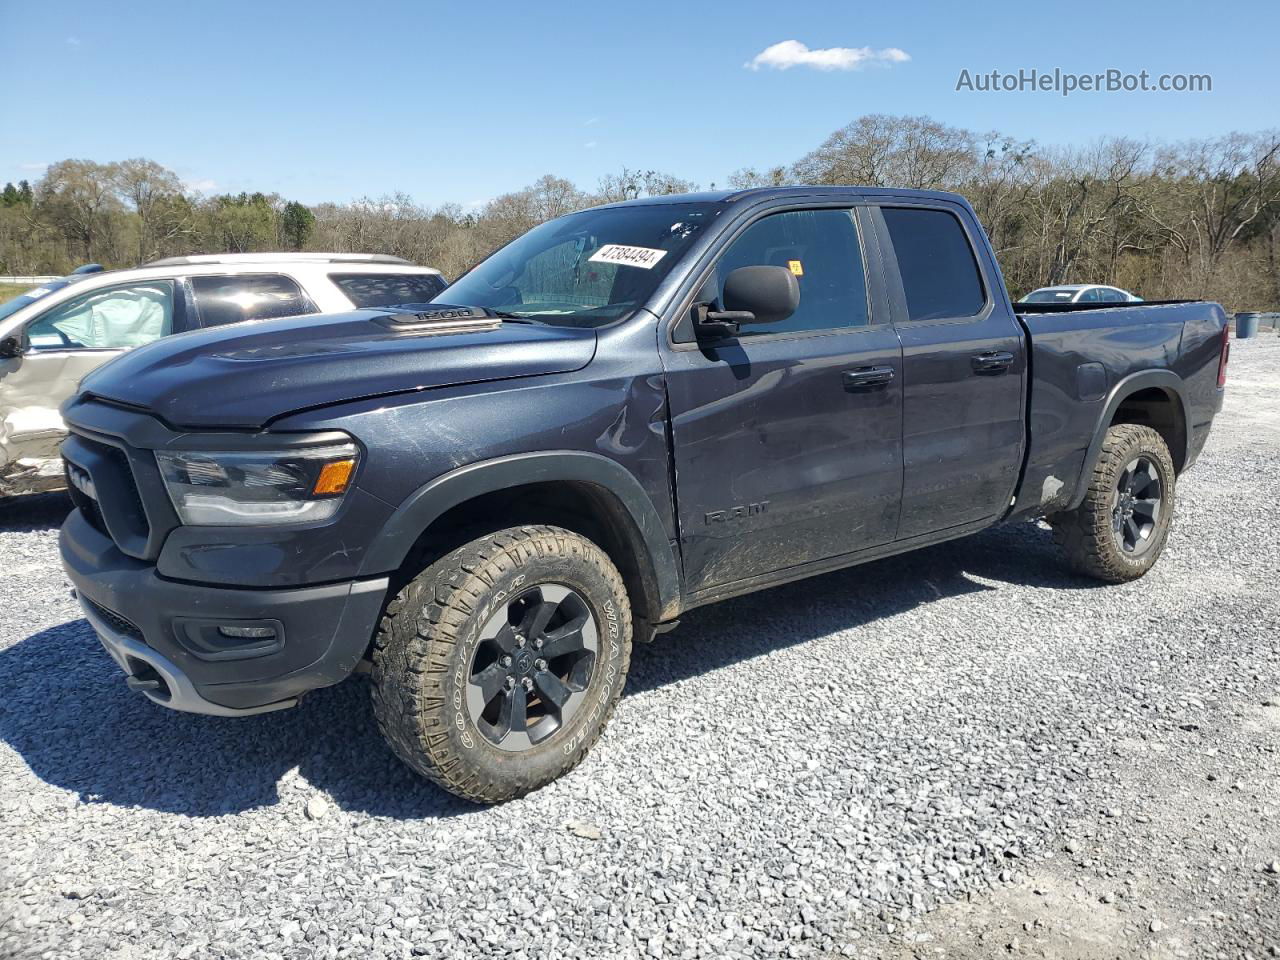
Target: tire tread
x,y
419,634
1085,532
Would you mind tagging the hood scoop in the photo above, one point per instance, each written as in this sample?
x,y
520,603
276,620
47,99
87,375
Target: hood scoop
x,y
441,318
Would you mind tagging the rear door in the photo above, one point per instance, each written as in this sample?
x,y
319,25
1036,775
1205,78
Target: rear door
x,y
963,363
787,438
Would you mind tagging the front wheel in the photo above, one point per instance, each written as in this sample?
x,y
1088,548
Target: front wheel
x,y
496,668
1119,530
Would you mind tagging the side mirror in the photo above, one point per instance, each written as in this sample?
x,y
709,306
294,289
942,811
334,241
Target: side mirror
x,y
753,295
13,346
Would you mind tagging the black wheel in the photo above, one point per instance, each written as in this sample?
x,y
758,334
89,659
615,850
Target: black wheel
x,y
1119,530
497,667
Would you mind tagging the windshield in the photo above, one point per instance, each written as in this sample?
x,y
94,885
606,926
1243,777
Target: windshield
x,y
10,307
1049,296
585,269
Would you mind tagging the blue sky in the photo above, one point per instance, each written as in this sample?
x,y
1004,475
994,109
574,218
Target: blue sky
x,y
462,101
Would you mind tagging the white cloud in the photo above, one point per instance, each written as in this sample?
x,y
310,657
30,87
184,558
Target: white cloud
x,y
793,53
73,41
591,121
591,144
32,166
201,186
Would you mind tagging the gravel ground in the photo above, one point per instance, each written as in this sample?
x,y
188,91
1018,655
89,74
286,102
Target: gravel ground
x,y
962,752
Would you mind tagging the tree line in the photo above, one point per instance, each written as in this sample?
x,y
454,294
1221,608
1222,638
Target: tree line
x,y
1195,218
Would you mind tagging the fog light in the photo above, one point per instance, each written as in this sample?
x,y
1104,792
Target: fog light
x,y
248,633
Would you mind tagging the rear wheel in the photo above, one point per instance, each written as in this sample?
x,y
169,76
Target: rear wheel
x,y
1119,530
497,667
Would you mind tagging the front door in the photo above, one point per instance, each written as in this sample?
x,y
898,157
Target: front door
x,y
787,438
67,342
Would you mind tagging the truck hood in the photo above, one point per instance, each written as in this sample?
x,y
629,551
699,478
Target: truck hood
x,y
247,374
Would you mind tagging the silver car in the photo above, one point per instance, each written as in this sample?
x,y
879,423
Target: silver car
x,y
1080,293
54,334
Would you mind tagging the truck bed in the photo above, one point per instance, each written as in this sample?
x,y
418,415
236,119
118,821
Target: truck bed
x,y
1086,359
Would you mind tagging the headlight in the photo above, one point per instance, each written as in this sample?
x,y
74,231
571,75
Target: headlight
x,y
238,488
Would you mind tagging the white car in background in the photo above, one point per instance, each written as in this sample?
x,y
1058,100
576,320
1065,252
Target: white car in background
x,y
54,334
1080,293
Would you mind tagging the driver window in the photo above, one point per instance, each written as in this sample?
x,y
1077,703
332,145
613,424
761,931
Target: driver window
x,y
112,319
820,247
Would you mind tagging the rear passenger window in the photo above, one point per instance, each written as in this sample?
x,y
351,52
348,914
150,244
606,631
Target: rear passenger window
x,y
939,273
258,296
820,247
388,289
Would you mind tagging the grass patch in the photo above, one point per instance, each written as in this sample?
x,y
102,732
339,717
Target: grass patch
x,y
10,290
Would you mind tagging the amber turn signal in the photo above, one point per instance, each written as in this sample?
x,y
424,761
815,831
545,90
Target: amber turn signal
x,y
334,477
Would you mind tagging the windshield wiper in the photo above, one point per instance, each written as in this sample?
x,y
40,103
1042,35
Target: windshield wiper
x,y
512,317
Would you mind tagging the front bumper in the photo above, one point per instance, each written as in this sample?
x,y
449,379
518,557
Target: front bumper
x,y
152,628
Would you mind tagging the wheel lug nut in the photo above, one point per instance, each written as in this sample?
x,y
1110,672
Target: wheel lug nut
x,y
537,643
528,684
510,683
540,664
506,661
520,640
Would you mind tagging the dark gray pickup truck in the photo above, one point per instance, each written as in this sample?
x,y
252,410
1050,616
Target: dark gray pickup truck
x,y
626,413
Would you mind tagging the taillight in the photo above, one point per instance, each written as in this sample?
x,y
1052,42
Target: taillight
x,y
1224,356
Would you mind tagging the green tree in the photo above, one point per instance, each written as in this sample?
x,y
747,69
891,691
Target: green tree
x,y
296,224
238,223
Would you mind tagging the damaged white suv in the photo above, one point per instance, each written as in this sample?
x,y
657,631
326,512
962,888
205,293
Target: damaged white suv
x,y
53,335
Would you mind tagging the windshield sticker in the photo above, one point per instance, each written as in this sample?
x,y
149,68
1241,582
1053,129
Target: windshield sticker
x,y
643,257
796,267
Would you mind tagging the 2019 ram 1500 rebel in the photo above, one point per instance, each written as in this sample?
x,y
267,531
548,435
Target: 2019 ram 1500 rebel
x,y
628,412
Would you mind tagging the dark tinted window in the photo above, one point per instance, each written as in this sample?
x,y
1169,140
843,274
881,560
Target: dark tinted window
x,y
388,289
1110,295
1092,295
821,248
939,273
258,296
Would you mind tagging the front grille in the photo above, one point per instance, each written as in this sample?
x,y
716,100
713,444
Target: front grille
x,y
86,504
120,461
116,622
101,482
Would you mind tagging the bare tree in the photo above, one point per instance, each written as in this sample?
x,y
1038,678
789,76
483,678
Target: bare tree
x,y
157,197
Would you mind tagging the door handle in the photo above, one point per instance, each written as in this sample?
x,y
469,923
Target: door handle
x,y
993,361
863,378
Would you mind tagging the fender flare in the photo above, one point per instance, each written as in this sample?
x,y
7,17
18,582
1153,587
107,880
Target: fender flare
x,y
433,499
1165,380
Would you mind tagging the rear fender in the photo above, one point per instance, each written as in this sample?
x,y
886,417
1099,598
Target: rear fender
x,y
1165,380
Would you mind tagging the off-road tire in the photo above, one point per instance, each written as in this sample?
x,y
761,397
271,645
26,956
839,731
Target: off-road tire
x,y
424,645
1086,534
